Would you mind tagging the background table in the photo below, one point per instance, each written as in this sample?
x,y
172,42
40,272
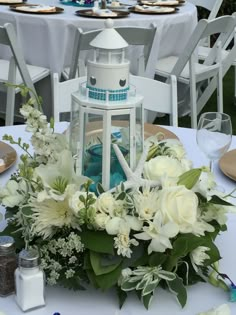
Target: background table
x,y
200,297
47,39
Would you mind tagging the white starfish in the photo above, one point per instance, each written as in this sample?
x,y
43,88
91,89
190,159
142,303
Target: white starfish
x,y
134,178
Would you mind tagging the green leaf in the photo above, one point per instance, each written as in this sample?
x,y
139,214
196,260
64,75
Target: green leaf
x,y
183,245
218,201
147,300
110,279
157,259
97,241
100,189
129,286
150,288
98,268
176,286
121,295
27,211
121,196
190,178
213,252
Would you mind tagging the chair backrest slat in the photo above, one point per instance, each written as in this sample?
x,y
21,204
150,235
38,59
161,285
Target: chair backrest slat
x,y
133,35
222,25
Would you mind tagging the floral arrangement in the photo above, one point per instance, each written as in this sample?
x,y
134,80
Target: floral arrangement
x,y
135,239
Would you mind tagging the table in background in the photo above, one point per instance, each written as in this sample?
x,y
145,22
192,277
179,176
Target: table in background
x,y
47,39
201,296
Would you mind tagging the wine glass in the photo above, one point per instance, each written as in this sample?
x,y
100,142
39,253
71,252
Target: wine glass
x,y
214,135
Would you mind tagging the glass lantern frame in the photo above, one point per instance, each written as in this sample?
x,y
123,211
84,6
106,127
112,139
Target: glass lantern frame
x,y
107,112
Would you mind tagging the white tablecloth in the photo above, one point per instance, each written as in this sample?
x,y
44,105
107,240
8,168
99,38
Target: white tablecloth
x,y
47,40
200,297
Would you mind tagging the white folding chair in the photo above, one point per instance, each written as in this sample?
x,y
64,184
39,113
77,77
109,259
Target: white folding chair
x,y
16,71
190,71
158,96
213,6
62,95
135,36
203,52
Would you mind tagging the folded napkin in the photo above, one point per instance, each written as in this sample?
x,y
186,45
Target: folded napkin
x,y
158,9
103,12
161,2
36,8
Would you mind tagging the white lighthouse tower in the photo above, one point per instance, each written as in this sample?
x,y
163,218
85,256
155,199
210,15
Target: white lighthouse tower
x,y
107,98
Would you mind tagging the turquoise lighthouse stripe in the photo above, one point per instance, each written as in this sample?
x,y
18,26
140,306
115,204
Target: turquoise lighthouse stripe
x,y
114,95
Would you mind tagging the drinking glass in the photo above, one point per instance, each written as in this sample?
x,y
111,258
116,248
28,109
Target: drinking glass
x,y
214,135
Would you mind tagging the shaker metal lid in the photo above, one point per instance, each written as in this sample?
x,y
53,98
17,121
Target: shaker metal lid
x,y
29,258
7,244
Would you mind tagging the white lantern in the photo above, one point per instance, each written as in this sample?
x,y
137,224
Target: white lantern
x,y
107,108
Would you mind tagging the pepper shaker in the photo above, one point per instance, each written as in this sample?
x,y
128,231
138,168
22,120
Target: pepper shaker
x,y
8,264
29,280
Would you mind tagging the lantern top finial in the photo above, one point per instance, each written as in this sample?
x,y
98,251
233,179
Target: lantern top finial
x,y
109,23
109,38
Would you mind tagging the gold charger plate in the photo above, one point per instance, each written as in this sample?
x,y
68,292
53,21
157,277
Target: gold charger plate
x,y
17,8
161,10
94,130
227,164
11,2
90,14
8,155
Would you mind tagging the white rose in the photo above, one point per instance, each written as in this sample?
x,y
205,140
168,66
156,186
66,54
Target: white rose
x,y
76,204
221,310
198,255
106,203
163,165
101,220
175,148
179,205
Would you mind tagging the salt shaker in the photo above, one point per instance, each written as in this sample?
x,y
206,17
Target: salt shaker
x,y
8,264
29,280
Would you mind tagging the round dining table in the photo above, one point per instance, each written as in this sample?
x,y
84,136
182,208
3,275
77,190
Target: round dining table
x,y
47,39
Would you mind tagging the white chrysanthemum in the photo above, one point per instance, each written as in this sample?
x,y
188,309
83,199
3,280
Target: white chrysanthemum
x,y
51,215
145,203
198,256
159,234
122,242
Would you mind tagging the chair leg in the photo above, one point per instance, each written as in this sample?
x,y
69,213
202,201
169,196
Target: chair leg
x,y
10,106
220,92
235,85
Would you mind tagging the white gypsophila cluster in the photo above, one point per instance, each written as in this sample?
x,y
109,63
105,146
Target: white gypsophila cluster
x,y
61,256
